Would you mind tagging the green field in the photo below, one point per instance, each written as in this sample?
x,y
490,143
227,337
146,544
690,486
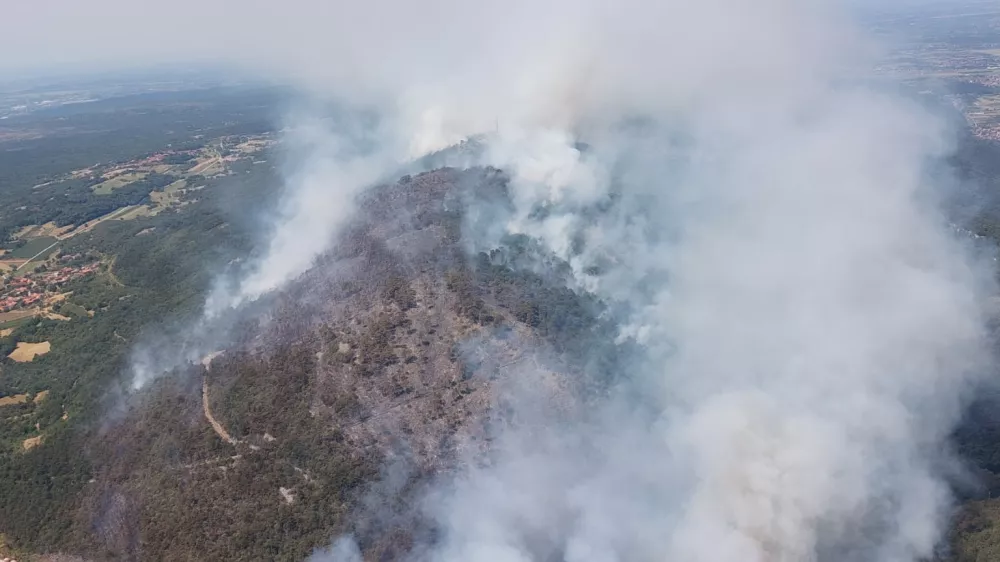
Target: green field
x,y
106,187
15,323
32,247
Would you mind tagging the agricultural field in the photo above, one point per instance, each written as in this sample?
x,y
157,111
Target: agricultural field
x,y
169,196
26,352
138,211
8,266
209,167
33,248
50,229
118,182
12,320
8,319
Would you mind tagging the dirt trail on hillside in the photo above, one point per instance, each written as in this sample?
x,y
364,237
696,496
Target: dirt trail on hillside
x,y
219,430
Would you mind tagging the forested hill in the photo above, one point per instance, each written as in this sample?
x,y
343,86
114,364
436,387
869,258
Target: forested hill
x,y
372,343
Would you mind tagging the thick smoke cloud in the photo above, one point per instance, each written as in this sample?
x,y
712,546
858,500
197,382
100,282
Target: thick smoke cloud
x,y
763,222
332,163
812,320
328,161
766,223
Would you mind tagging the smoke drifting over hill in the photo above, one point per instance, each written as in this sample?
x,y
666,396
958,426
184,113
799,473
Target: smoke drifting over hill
x,y
762,223
813,323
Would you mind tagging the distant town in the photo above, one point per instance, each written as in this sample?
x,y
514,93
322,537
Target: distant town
x,y
952,49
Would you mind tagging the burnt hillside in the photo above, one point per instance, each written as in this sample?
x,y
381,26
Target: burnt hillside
x,y
386,354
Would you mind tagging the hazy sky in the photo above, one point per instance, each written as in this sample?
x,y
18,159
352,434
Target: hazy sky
x,y
121,32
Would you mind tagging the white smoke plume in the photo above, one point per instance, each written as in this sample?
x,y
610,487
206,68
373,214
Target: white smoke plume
x,y
342,550
813,321
329,161
332,167
814,327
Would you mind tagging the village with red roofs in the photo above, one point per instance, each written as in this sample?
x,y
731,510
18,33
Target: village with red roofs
x,y
40,286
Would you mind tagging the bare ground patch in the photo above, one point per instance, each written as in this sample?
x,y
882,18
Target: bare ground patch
x,y
59,297
26,352
12,400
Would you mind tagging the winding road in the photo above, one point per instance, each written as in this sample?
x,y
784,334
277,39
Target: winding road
x,y
206,408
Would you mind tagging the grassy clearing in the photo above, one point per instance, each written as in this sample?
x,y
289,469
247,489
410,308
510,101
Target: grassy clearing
x,y
169,195
10,265
40,397
208,167
116,214
42,230
176,186
25,231
26,352
31,442
138,211
160,198
15,318
51,229
12,324
6,332
166,169
117,182
33,247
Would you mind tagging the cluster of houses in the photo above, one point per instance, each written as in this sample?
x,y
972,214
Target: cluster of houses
x,y
988,80
22,292
988,132
984,122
